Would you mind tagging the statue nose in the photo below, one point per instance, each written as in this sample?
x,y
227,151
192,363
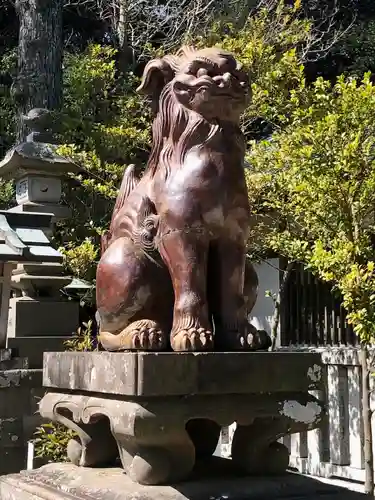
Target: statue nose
x,y
226,77
223,80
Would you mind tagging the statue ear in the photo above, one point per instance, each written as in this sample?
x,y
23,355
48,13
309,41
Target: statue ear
x,y
156,75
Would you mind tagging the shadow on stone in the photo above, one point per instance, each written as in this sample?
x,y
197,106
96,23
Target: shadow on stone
x,y
205,435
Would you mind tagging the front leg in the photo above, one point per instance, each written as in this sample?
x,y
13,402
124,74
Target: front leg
x,y
185,253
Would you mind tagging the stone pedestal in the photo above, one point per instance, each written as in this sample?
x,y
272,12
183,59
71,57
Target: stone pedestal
x,y
159,412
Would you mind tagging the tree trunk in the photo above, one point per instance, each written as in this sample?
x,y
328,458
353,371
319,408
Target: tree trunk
x,y
125,52
276,314
39,81
367,446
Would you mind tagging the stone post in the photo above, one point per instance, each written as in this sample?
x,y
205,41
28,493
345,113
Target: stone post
x,y
38,310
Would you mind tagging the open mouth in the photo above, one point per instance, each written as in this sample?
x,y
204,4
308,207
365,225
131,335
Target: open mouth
x,y
224,93
230,96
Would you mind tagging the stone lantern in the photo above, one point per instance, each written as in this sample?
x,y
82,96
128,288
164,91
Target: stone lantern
x,y
38,171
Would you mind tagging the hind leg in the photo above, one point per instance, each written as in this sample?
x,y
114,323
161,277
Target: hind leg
x,y
134,299
232,298
260,338
251,282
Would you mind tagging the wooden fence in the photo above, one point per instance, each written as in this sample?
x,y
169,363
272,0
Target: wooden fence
x,y
313,319
311,314
335,450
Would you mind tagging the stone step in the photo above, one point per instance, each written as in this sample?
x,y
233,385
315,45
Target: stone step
x,y
14,364
68,482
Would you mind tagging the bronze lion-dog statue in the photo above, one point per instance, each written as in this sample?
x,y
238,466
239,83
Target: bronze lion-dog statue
x,y
173,271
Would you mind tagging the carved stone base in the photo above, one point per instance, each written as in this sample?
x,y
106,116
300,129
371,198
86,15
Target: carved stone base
x,y
159,437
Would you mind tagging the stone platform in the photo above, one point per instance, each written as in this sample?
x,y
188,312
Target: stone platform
x,y
68,482
179,374
161,412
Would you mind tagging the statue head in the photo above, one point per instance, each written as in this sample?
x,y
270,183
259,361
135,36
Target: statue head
x,y
208,82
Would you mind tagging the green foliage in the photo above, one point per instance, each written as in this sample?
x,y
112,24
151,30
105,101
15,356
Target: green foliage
x,y
105,126
269,47
318,176
8,65
7,194
102,113
51,441
7,122
82,258
83,340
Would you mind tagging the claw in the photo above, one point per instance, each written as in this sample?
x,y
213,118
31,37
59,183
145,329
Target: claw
x,y
153,339
140,335
251,340
136,341
144,340
194,339
209,340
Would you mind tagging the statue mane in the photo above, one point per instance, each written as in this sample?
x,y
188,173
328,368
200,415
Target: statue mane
x,y
176,130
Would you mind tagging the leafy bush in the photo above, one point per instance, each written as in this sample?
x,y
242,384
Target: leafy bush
x,y
51,441
318,175
83,340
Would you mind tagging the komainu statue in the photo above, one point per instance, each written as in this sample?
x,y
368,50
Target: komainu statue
x,y
173,271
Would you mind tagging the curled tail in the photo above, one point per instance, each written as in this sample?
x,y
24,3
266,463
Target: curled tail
x,y
128,183
146,228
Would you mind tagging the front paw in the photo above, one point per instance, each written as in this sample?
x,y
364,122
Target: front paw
x,y
192,339
142,335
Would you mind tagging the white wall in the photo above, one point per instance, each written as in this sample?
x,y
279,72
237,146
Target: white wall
x,y
268,276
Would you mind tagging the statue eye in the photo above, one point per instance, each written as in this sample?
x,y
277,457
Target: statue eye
x,y
202,72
